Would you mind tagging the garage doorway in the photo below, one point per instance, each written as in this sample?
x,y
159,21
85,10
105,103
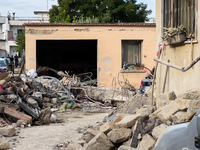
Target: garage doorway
x,y
73,56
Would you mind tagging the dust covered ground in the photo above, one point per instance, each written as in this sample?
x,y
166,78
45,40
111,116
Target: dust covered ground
x,y
48,137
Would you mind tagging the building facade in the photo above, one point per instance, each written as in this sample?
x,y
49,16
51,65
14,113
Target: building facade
x,y
98,48
172,14
14,25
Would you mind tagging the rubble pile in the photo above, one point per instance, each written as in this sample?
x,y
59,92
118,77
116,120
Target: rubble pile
x,y
31,100
140,129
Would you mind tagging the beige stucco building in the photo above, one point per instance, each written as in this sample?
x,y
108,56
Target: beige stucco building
x,y
100,48
181,12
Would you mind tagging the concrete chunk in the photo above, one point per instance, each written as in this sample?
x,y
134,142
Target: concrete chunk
x,y
119,135
128,121
100,142
90,134
179,117
123,147
158,130
147,143
167,111
8,131
74,146
146,110
107,127
164,98
4,144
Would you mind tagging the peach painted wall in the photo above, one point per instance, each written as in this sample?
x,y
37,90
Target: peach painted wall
x,y
109,47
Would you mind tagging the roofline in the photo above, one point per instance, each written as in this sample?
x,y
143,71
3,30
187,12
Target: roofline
x,y
36,12
92,24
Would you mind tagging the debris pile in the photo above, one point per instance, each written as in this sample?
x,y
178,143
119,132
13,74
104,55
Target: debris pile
x,y
140,128
31,100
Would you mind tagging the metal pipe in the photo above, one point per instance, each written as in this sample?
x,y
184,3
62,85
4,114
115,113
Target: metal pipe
x,y
183,69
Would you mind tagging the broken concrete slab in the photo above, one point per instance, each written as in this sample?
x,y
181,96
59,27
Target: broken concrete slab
x,y
167,111
128,121
164,98
8,131
147,143
146,110
17,115
123,147
74,146
100,142
158,130
119,135
107,127
4,144
179,117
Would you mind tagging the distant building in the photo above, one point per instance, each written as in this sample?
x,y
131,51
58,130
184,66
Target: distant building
x,y
14,27
151,20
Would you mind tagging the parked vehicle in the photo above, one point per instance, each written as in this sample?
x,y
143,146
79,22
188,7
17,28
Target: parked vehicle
x,y
3,65
185,136
147,81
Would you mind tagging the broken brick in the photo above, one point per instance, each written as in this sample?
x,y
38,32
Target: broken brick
x,y
17,115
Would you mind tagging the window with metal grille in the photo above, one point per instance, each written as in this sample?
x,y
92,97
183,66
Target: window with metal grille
x,y
180,12
131,52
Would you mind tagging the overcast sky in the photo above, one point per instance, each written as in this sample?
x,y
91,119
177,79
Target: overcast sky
x,y
25,8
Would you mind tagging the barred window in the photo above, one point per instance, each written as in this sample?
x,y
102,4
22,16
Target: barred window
x,y
180,12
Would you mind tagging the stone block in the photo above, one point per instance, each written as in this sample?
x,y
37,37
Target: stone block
x,y
167,111
8,131
4,144
119,135
164,98
147,143
90,134
158,130
100,142
121,115
74,146
127,143
191,95
123,147
128,121
17,115
179,117
146,110
107,127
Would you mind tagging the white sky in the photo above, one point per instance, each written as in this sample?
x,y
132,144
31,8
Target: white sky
x,y
25,8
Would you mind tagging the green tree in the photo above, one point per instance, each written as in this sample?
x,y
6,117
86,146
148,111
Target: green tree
x,y
20,41
106,11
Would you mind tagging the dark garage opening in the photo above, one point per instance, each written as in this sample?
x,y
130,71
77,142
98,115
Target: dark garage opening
x,y
73,56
